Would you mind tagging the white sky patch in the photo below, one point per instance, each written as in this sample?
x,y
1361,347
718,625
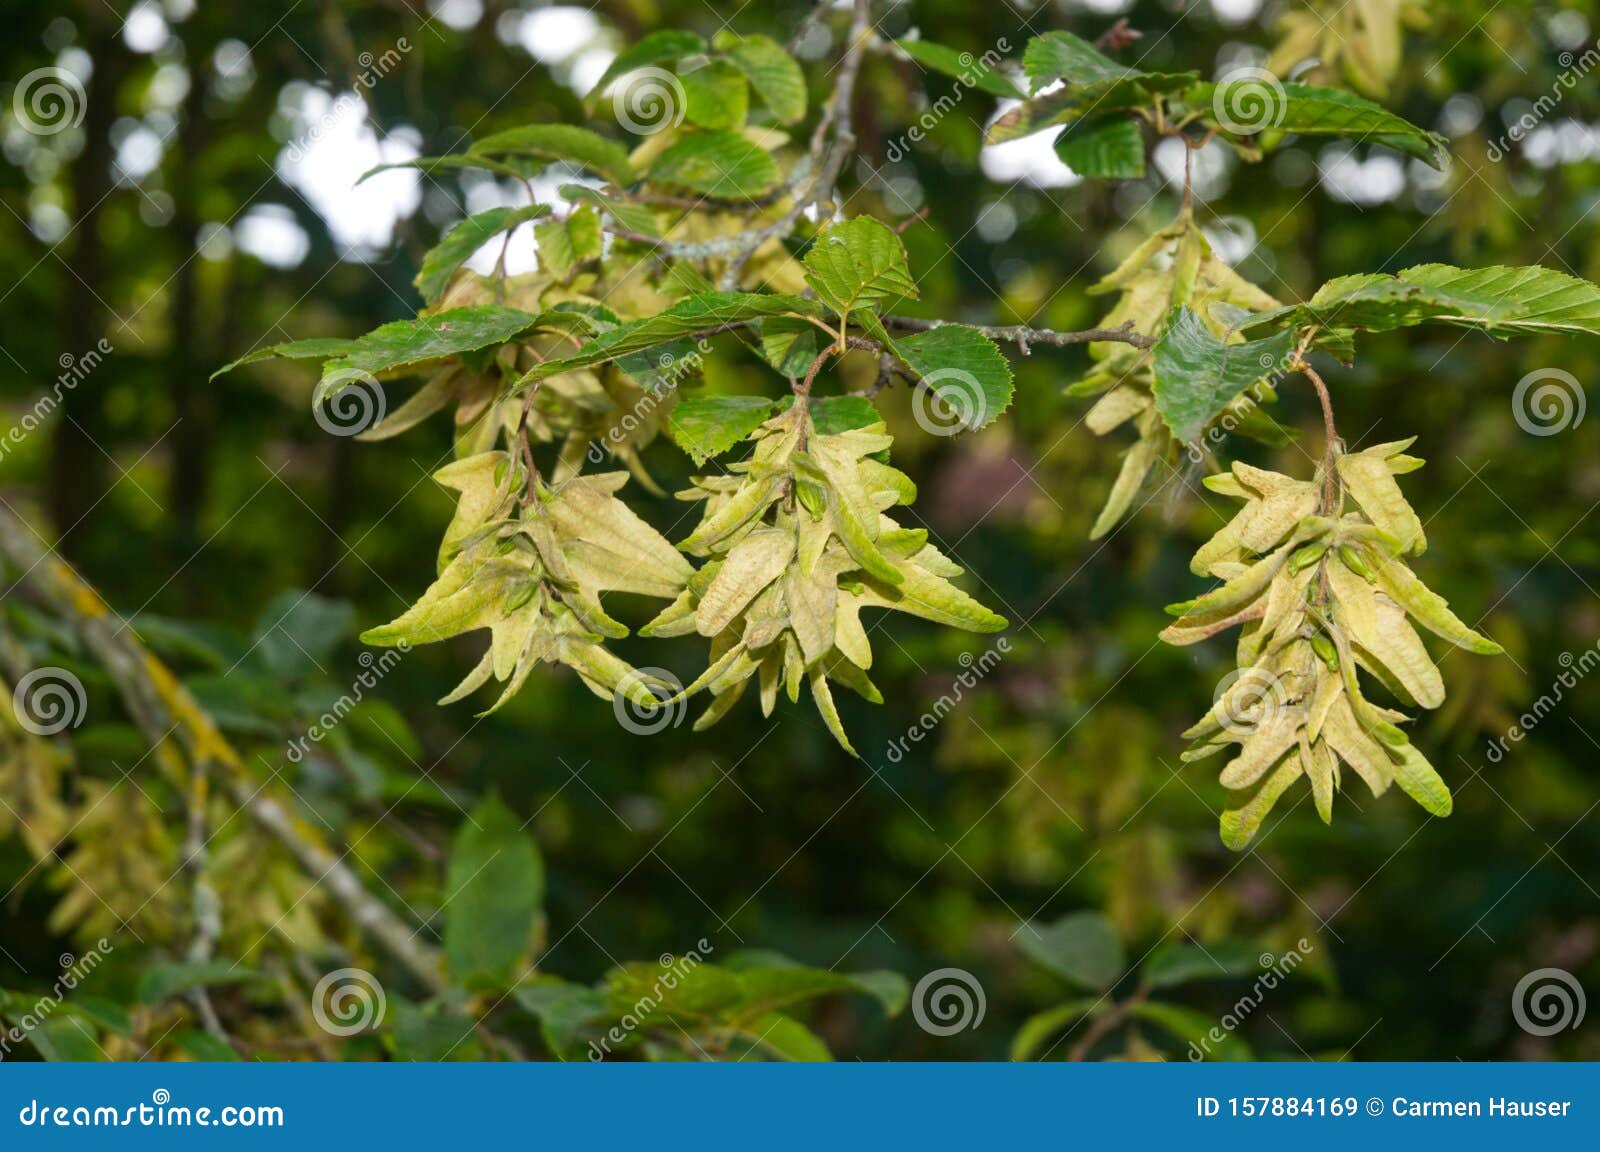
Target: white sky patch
x,y
1107,7
457,14
1347,178
588,67
553,35
270,233
1032,159
138,152
1208,175
332,147
1235,12
145,29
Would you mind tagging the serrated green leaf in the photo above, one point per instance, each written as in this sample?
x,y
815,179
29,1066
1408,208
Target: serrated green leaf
x,y
411,344
1499,300
1197,375
458,244
707,426
494,892
964,66
316,348
859,264
965,370
634,217
664,47
1177,964
723,165
560,142
716,95
1103,148
830,414
1081,946
1311,111
1075,102
564,245
696,316
771,71
1062,56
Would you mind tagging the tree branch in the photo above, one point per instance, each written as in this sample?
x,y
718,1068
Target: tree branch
x,y
1024,337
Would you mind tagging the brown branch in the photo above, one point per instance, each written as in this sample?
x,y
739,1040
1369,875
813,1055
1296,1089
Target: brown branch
x,y
164,709
1024,337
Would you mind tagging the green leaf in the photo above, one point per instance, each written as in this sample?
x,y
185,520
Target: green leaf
x,y
1040,1027
430,1033
786,1039
563,1010
964,369
458,244
1063,56
66,1040
1197,375
1249,105
723,165
1205,1033
1177,964
964,66
716,95
1081,946
664,47
1499,300
790,345
831,414
316,348
494,894
1076,102
410,344
566,244
634,217
1103,148
707,426
696,316
160,981
858,264
560,142
772,72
